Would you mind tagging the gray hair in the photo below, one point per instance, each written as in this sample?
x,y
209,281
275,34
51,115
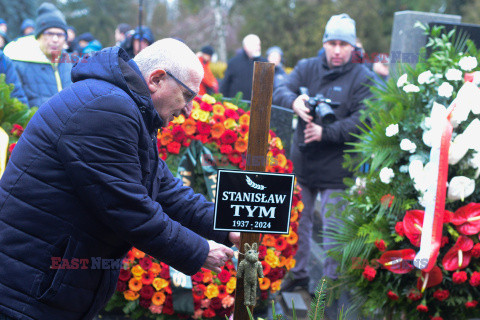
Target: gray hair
x,y
170,55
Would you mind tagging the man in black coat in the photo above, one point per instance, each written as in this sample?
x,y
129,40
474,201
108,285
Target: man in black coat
x,y
319,141
239,74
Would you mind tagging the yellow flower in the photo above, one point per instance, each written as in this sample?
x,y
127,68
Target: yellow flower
x,y
230,105
231,285
244,119
218,109
208,99
272,259
290,263
230,123
211,291
275,286
281,262
130,295
179,120
203,115
196,114
159,283
300,206
195,105
137,271
279,144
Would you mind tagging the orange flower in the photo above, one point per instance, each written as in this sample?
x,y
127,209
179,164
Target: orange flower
x,y
294,216
290,263
211,291
130,295
244,119
159,283
282,160
300,206
147,278
217,130
166,138
218,109
158,298
155,268
137,271
207,276
275,286
189,127
264,283
135,284
268,240
292,238
241,145
137,253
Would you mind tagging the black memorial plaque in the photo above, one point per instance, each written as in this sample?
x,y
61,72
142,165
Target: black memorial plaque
x,y
248,201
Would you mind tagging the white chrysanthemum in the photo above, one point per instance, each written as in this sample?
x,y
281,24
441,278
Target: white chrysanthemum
x,y
445,90
391,130
425,77
386,175
402,80
453,75
411,88
460,187
467,63
408,145
415,169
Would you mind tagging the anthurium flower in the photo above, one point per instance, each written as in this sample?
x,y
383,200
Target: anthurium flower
x,y
460,187
467,219
429,279
398,261
458,257
412,225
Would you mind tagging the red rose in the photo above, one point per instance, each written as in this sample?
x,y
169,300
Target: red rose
x,y
147,292
224,276
228,137
203,128
476,251
144,303
471,304
145,263
475,279
125,275
198,277
399,228
422,308
17,130
288,251
369,273
392,295
216,303
178,134
121,286
380,244
459,277
209,313
276,274
226,149
414,295
174,147
198,291
441,295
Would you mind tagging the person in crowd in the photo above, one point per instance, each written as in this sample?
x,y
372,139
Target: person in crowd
x,y
376,64
239,73
3,26
85,182
3,40
71,46
137,40
209,83
120,33
7,68
27,27
275,55
320,139
88,44
36,57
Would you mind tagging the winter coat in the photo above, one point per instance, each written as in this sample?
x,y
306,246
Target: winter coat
x,y
85,182
209,83
40,78
239,76
319,165
6,67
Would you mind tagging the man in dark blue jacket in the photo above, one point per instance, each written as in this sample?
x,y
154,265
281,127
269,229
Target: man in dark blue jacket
x,y
85,182
319,143
6,67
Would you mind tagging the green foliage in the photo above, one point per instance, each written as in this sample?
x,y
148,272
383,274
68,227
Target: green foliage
x,y
14,12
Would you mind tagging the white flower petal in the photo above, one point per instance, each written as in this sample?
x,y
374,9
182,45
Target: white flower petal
x,y
402,80
460,187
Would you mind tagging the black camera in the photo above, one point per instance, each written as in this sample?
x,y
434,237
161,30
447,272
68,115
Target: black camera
x,y
320,108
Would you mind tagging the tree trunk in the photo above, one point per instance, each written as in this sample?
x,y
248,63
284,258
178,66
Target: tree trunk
x,y
220,9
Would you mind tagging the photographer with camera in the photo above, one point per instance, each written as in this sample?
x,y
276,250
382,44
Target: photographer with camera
x,y
327,117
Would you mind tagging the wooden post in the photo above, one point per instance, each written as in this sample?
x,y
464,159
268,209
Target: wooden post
x,y
262,89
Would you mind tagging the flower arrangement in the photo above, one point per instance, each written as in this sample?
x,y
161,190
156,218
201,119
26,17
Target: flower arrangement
x,y
380,233
145,287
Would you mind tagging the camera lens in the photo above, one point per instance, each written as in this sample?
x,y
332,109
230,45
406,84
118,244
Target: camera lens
x,y
325,112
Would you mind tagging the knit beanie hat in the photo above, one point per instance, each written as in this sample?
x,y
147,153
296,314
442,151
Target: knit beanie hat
x,y
48,16
147,34
27,23
208,50
340,27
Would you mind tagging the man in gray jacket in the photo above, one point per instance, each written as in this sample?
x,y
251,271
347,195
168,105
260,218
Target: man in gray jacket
x,y
322,131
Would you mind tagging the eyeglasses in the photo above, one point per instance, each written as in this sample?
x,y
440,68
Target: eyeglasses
x,y
187,95
59,35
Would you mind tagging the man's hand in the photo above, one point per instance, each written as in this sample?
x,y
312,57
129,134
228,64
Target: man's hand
x,y
234,238
313,132
301,109
217,256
